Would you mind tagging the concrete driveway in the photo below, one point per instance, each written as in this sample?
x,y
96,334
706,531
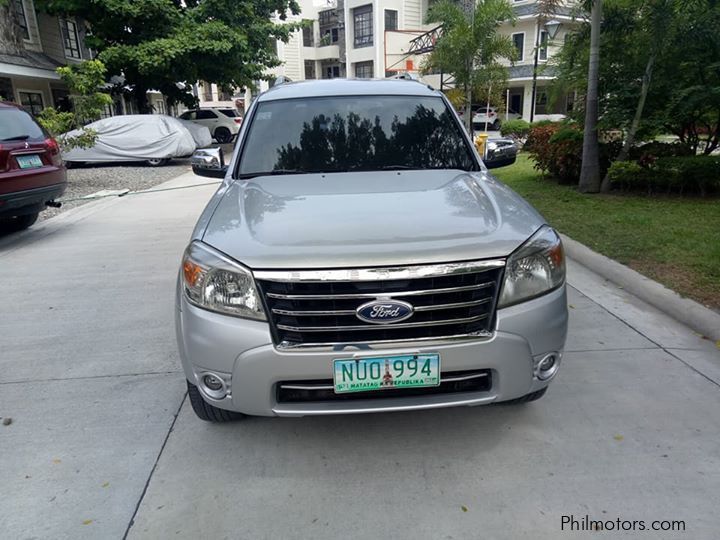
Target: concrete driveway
x,y
103,443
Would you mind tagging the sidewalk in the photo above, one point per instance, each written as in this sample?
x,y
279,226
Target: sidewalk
x,y
103,442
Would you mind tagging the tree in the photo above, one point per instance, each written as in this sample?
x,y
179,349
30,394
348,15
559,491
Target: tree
x,y
84,81
157,44
470,47
590,169
659,72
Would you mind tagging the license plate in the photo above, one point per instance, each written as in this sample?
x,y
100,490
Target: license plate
x,y
31,161
385,372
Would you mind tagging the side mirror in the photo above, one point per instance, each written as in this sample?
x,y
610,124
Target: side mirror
x,y
500,153
209,162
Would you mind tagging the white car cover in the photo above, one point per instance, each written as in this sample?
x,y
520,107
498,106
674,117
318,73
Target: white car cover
x,y
201,134
135,137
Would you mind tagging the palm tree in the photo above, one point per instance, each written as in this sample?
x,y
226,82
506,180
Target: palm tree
x,y
590,169
470,47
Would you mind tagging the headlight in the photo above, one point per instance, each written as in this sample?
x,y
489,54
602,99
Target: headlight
x,y
536,268
214,282
492,146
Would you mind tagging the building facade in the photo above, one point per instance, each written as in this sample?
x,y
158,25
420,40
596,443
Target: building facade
x,y
380,38
32,47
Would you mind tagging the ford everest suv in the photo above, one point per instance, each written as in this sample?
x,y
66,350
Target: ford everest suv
x,y
358,257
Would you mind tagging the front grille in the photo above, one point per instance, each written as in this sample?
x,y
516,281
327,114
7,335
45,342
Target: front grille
x,y
311,308
452,382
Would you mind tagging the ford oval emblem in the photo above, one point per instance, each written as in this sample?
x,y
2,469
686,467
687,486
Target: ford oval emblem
x,y
384,311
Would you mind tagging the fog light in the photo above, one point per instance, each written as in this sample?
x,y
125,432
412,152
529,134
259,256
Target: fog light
x,y
214,386
547,367
547,363
212,382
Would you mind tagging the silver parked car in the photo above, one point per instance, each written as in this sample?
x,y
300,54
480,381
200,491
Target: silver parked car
x,y
362,259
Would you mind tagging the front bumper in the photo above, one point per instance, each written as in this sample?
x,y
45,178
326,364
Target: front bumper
x,y
241,351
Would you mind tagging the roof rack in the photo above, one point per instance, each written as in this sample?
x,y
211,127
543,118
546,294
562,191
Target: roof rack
x,y
282,79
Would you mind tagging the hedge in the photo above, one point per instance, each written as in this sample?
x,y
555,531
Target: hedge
x,y
682,175
517,129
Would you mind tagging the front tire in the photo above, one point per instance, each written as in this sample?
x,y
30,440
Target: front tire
x,y
207,412
223,135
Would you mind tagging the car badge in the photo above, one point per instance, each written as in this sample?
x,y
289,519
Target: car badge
x,y
384,311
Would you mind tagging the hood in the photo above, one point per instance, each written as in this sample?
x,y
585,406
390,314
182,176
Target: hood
x,y
374,218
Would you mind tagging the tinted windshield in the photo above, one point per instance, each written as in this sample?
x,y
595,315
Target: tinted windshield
x,y
15,123
351,133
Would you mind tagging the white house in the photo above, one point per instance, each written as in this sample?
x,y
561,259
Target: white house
x,y
381,38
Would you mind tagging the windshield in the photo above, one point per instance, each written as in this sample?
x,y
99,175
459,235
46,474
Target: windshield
x,y
354,133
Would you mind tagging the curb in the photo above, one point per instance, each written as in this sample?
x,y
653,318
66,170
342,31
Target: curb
x,y
684,310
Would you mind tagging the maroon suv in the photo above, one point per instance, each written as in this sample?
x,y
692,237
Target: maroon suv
x,y
31,170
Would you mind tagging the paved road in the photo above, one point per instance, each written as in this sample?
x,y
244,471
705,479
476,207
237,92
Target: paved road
x,y
104,444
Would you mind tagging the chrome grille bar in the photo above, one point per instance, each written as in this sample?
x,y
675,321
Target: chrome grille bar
x,y
380,294
375,327
337,312
378,274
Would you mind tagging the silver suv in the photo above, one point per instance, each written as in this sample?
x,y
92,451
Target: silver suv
x,y
358,257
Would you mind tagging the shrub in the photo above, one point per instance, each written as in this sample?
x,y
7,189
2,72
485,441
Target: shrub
x,y
658,149
556,150
683,175
518,129
694,174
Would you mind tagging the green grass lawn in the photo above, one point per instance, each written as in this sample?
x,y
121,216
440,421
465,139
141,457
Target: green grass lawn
x,y
673,240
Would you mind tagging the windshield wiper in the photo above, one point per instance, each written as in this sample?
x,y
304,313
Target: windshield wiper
x,y
16,138
274,172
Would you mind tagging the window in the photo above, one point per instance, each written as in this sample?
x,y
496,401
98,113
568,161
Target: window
x,y
309,69
332,72
32,101
363,26
307,35
327,16
230,113
329,37
570,102
6,88
17,123
364,70
22,19
519,43
188,115
204,114
391,18
61,99
71,43
543,45
541,102
355,133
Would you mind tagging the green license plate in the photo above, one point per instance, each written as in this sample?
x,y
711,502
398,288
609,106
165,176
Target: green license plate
x,y
384,372
31,161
